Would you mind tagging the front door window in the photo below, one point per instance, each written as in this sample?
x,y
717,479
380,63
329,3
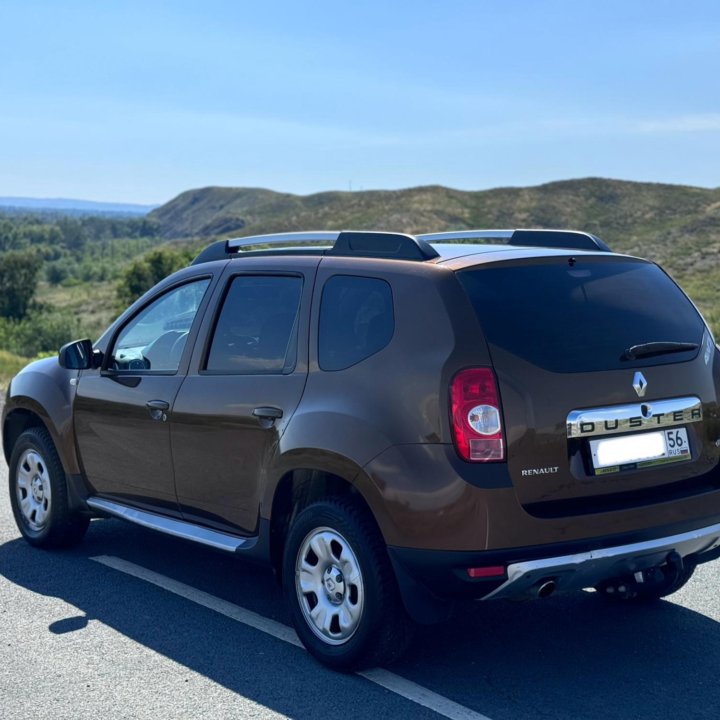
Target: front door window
x,y
155,338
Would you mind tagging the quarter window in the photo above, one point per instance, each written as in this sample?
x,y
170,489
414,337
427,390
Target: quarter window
x,y
356,320
156,337
256,332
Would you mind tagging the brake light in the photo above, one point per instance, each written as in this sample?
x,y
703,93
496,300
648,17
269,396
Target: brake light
x,y
475,413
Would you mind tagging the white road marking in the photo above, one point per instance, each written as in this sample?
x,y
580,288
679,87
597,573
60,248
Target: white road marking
x,y
234,612
421,695
394,683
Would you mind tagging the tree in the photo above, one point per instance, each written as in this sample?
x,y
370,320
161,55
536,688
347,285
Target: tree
x,y
9,236
149,270
18,279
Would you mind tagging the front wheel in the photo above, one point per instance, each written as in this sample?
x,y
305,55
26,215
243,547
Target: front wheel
x,y
38,493
341,589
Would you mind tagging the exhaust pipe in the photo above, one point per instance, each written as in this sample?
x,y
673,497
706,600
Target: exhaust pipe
x,y
546,589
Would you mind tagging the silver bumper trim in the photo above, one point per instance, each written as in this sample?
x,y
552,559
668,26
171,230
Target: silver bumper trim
x,y
583,570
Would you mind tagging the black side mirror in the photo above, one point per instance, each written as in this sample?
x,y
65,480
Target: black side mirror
x,y
78,355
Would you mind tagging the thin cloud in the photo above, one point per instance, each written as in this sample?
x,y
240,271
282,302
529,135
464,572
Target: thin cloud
x,y
682,124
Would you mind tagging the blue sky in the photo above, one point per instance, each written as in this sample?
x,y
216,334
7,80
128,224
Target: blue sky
x,y
138,101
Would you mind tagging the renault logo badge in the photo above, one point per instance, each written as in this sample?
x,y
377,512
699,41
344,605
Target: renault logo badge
x,y
640,384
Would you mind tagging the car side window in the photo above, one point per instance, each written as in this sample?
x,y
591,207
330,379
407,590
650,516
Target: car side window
x,y
356,320
155,338
256,331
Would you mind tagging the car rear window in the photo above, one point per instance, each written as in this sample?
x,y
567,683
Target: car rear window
x,y
581,315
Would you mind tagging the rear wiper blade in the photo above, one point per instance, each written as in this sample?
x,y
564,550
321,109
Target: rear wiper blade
x,y
657,348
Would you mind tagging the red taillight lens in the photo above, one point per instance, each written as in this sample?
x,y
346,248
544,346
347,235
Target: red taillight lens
x,y
476,417
487,572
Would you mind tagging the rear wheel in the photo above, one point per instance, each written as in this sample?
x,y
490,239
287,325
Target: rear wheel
x,y
38,493
341,589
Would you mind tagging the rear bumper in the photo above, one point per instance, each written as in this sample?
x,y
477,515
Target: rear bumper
x,y
428,579
582,570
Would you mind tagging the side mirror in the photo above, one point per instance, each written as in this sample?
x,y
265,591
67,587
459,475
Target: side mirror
x,y
79,355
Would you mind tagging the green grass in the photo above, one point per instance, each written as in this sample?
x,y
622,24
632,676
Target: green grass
x,y
93,304
704,290
10,365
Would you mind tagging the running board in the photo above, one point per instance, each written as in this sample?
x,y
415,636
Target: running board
x,y
171,526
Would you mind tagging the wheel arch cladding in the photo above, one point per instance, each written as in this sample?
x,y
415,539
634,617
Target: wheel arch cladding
x,y
16,423
297,489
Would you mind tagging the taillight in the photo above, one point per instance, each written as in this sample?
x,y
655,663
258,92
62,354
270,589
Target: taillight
x,y
475,413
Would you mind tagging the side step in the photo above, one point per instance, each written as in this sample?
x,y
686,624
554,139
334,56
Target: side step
x,y
174,527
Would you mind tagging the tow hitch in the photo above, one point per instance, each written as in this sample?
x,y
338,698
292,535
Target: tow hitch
x,y
652,582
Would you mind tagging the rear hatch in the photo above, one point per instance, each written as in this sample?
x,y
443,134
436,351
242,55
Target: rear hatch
x,y
605,371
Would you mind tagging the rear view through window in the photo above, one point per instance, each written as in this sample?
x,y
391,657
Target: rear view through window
x,y
583,316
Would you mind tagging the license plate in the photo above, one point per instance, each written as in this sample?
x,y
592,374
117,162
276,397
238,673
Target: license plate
x,y
639,451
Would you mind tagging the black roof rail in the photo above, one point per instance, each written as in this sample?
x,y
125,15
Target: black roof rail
x,y
382,245
346,243
568,239
216,251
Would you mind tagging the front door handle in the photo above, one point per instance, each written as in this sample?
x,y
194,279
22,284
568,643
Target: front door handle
x,y
158,409
267,416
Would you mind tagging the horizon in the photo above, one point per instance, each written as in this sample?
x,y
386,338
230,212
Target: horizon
x,y
140,102
151,206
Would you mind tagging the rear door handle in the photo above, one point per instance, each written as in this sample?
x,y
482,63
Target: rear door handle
x,y
267,415
158,409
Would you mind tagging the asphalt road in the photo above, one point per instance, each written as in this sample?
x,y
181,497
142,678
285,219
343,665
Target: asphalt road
x,y
79,639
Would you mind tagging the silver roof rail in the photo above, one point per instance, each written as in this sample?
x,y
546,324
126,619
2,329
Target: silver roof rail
x,y
345,243
398,246
467,235
532,237
289,238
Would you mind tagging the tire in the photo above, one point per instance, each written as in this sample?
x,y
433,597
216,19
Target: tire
x,y
38,493
665,583
341,589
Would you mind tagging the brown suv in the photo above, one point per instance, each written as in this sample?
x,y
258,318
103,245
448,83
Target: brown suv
x,y
391,422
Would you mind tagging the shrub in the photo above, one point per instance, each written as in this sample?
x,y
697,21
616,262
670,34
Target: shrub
x,y
149,270
38,333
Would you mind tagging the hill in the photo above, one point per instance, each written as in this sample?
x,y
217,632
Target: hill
x,y
678,226
675,220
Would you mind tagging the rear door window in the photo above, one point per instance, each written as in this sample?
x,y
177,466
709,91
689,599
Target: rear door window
x,y
581,316
256,331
